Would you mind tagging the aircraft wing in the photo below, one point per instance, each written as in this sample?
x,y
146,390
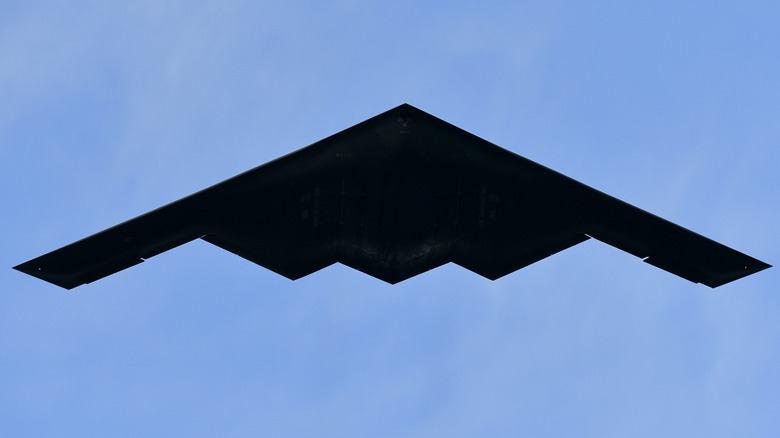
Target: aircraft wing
x,y
395,196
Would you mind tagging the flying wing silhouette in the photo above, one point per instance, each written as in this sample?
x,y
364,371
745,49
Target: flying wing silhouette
x,y
395,196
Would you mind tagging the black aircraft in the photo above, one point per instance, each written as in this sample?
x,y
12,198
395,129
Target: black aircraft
x,y
395,196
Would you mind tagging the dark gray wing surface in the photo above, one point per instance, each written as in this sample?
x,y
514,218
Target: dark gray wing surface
x,y
395,196
669,246
119,247
278,215
523,212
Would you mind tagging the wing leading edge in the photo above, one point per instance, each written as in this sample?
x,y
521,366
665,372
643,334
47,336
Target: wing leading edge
x,y
395,196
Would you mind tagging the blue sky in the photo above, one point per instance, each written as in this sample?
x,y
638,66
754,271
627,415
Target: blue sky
x,y
111,109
